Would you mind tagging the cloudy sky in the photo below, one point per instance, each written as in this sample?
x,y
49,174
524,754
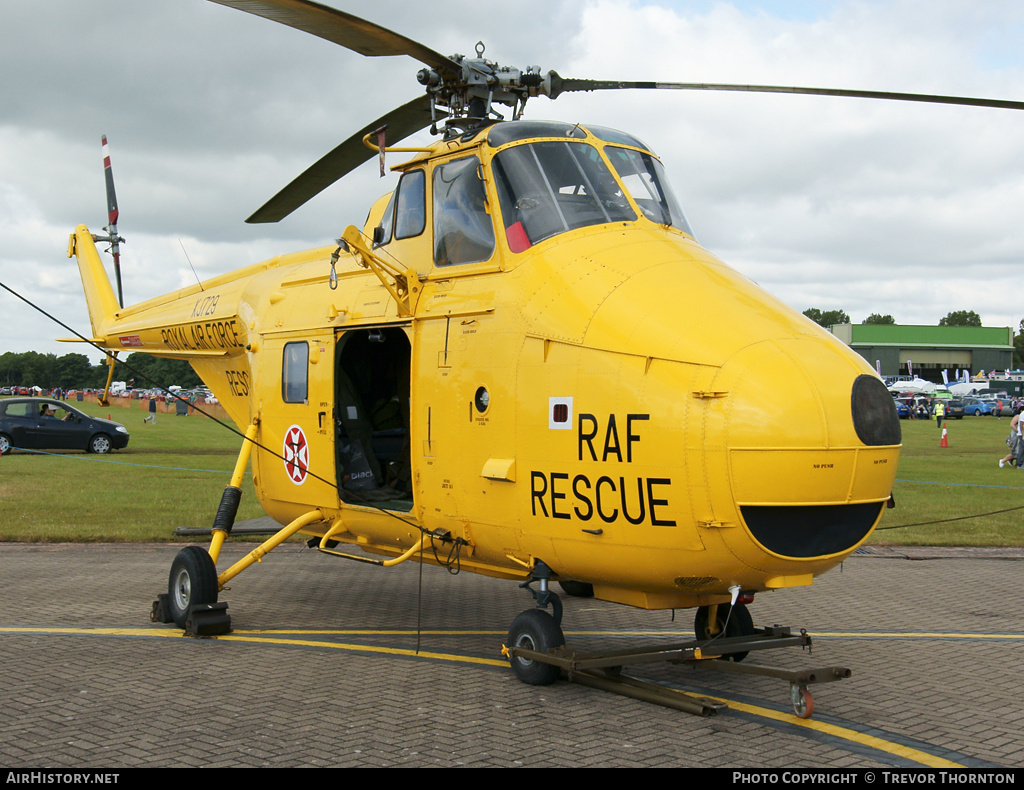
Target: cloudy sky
x,y
912,210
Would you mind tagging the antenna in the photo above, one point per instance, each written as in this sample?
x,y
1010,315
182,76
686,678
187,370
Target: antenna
x,y
193,268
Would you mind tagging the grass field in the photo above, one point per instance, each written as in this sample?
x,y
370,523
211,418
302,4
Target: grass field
x,y
937,483
172,474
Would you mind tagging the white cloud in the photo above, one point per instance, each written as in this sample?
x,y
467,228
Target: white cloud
x,y
832,203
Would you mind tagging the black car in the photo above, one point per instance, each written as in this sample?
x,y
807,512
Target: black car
x,y
48,424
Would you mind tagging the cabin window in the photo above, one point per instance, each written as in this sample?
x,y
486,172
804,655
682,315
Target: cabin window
x,y
644,178
295,373
548,188
411,206
462,227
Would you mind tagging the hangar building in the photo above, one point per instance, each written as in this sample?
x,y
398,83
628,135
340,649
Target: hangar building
x,y
931,349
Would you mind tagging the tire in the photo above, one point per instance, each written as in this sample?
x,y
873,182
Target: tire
x,y
803,702
5,444
577,589
193,580
740,623
100,444
536,630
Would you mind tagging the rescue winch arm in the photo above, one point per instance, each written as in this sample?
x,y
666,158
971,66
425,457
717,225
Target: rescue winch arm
x,y
403,285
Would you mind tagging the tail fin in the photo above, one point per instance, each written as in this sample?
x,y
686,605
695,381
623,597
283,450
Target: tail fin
x,y
99,295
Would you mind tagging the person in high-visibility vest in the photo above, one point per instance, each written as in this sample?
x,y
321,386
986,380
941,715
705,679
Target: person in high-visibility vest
x,y
940,411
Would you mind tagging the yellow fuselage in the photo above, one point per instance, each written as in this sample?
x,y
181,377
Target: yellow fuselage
x,y
612,400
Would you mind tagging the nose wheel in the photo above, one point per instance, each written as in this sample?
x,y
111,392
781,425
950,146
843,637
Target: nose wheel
x,y
538,631
725,621
535,630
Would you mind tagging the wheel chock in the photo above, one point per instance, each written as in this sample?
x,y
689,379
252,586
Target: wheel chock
x,y
161,612
208,619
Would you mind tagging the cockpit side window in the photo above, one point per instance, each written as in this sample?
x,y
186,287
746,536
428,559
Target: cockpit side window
x,y
463,232
411,207
644,178
552,187
406,212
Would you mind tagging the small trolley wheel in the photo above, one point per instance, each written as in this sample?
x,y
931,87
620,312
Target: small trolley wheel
x,y
803,702
193,580
535,630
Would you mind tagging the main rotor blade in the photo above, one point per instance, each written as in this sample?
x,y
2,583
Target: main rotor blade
x,y
560,85
349,31
406,120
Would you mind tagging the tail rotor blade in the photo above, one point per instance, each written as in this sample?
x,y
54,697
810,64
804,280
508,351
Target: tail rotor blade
x,y
112,213
108,174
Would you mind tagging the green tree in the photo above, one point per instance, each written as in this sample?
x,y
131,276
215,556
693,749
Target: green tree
x,y
961,318
827,318
74,370
875,318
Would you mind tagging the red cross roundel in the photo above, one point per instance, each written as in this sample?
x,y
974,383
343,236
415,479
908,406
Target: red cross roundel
x,y
296,455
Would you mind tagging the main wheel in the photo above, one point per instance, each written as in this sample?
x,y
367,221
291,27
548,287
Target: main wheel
x,y
5,444
739,623
193,581
535,630
100,444
577,589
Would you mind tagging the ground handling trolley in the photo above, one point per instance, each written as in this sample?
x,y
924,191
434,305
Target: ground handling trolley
x,y
604,670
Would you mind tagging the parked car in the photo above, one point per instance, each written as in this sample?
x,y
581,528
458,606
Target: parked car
x,y
49,424
902,408
955,409
976,407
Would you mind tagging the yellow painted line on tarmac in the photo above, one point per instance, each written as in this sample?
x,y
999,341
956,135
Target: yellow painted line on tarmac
x,y
89,631
606,633
394,651
260,637
241,637
844,733
914,635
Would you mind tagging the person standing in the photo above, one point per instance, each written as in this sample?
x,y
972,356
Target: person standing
x,y
1012,441
940,411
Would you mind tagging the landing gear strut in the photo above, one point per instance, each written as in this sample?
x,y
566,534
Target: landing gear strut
x,y
537,631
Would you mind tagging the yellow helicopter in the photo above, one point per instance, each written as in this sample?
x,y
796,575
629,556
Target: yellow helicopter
x,y
522,365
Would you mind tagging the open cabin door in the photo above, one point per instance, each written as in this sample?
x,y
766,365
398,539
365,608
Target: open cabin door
x,y
371,414
297,423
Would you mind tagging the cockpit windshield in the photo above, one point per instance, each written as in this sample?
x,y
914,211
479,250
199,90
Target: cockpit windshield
x,y
547,188
644,178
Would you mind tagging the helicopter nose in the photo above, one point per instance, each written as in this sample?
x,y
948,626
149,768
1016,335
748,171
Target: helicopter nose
x,y
810,440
